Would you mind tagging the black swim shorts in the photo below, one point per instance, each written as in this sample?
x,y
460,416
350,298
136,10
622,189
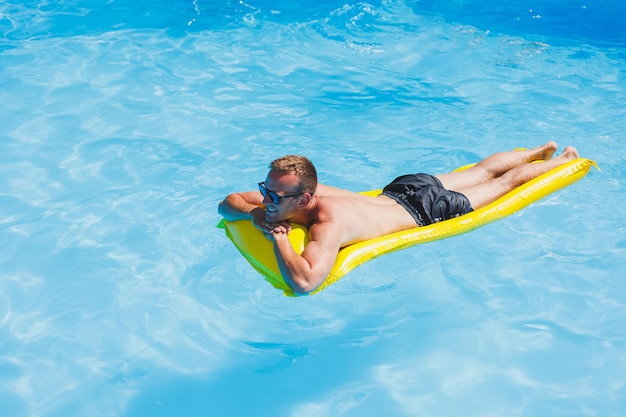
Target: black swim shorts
x,y
425,198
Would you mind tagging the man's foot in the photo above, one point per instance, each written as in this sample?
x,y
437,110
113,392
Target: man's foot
x,y
570,153
548,150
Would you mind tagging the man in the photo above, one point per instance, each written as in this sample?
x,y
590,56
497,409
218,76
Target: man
x,y
337,218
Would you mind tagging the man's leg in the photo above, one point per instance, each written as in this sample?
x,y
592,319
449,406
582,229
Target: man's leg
x,y
494,166
482,194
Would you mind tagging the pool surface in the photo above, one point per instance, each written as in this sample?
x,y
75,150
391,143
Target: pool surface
x,y
123,124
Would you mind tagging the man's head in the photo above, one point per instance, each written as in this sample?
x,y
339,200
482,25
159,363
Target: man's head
x,y
301,167
289,187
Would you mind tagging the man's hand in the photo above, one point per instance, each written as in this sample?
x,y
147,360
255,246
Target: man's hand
x,y
257,216
269,228
277,231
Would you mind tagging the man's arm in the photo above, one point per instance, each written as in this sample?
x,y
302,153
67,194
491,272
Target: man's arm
x,y
243,206
304,273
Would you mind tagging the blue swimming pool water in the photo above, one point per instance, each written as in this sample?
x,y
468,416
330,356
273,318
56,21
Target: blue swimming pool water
x,y
122,125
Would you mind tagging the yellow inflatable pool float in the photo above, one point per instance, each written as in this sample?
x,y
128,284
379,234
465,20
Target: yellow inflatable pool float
x,y
260,253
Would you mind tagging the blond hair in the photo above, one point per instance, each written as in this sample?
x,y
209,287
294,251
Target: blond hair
x,y
301,167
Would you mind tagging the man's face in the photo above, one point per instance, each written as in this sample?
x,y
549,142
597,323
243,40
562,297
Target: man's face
x,y
281,195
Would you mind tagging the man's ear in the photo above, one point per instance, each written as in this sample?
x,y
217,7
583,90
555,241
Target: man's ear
x,y
304,200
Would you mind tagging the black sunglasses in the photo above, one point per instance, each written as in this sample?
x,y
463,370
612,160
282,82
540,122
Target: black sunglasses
x,y
273,196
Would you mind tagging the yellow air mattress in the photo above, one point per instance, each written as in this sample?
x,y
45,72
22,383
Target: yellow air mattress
x,y
260,253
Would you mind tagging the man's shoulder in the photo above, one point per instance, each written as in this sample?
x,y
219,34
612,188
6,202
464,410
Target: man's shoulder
x,y
329,191
340,207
